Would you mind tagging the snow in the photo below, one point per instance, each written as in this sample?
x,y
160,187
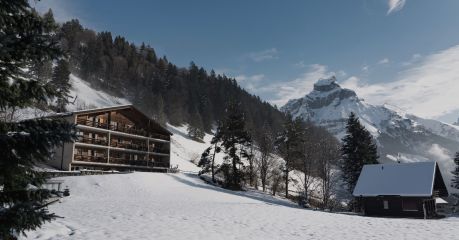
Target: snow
x,y
325,81
440,201
397,179
87,97
396,132
180,206
185,152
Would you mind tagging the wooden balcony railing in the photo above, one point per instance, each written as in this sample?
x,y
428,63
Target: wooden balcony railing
x,y
86,158
144,163
123,161
133,146
89,140
121,128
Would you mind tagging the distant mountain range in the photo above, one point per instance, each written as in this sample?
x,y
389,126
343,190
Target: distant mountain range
x,y
400,136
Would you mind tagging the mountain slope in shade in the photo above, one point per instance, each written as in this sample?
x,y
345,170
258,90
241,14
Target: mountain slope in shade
x,y
400,136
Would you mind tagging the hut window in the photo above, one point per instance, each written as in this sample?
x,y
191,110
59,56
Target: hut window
x,y
410,205
386,204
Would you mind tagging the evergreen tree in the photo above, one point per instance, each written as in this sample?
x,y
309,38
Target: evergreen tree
x,y
358,149
455,172
25,39
60,80
195,127
288,145
234,140
42,70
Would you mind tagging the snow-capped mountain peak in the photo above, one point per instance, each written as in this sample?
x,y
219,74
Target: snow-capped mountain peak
x,y
400,135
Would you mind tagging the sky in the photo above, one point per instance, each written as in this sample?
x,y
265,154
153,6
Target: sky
x,y
399,52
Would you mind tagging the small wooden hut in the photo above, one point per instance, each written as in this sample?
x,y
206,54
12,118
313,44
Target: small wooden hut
x,y
400,189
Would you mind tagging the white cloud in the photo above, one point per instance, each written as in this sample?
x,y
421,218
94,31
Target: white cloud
x,y
414,58
300,64
384,61
298,87
62,10
395,5
264,55
365,68
428,88
253,78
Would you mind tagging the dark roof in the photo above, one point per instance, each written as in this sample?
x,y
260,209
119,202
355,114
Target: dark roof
x,y
399,179
120,107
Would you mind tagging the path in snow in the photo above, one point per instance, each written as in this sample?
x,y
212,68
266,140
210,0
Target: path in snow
x,y
179,206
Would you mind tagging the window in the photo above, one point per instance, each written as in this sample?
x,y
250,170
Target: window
x,y
386,204
410,205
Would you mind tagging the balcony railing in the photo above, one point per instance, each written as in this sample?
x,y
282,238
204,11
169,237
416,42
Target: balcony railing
x,y
121,128
123,161
133,146
86,158
159,150
144,163
89,140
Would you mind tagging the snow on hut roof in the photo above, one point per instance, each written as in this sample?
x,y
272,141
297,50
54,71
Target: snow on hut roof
x,y
398,179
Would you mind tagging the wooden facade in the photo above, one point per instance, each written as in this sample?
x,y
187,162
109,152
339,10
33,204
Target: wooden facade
x,y
398,206
401,202
115,138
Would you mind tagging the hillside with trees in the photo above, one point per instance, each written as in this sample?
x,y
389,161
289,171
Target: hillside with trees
x,y
158,87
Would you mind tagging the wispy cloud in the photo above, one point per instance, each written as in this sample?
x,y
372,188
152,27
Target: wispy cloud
x,y
365,68
414,58
395,5
427,88
252,78
264,55
384,61
62,10
250,82
296,88
300,64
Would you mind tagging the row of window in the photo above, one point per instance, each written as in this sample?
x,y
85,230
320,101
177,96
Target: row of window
x,y
407,205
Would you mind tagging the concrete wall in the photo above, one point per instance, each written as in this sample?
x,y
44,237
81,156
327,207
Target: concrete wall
x,y
63,155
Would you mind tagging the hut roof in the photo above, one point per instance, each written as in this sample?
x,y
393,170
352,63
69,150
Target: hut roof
x,y
399,179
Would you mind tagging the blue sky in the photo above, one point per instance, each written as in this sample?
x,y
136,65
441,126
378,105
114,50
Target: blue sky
x,y
401,52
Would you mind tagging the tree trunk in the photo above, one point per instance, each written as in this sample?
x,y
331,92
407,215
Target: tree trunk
x,y
213,164
287,167
286,182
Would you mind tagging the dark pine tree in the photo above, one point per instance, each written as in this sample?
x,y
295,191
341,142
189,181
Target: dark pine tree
x,y
358,149
455,172
234,141
25,39
60,81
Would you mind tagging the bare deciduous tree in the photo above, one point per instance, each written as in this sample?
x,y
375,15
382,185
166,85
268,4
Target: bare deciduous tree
x,y
276,180
327,159
265,161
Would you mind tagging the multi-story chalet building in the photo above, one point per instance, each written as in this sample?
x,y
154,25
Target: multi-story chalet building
x,y
115,138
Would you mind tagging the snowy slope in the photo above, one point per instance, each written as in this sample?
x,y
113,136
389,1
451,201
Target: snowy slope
x,y
400,136
84,96
179,206
185,152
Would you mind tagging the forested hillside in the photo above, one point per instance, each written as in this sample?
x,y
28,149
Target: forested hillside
x,y
161,89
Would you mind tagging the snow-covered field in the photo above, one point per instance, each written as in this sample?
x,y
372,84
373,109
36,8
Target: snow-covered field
x,y
181,206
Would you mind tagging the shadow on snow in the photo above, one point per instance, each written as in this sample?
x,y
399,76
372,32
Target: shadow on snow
x,y
263,197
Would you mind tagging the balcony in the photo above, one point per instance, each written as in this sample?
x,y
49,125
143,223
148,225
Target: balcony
x,y
143,163
89,140
125,128
133,146
86,158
